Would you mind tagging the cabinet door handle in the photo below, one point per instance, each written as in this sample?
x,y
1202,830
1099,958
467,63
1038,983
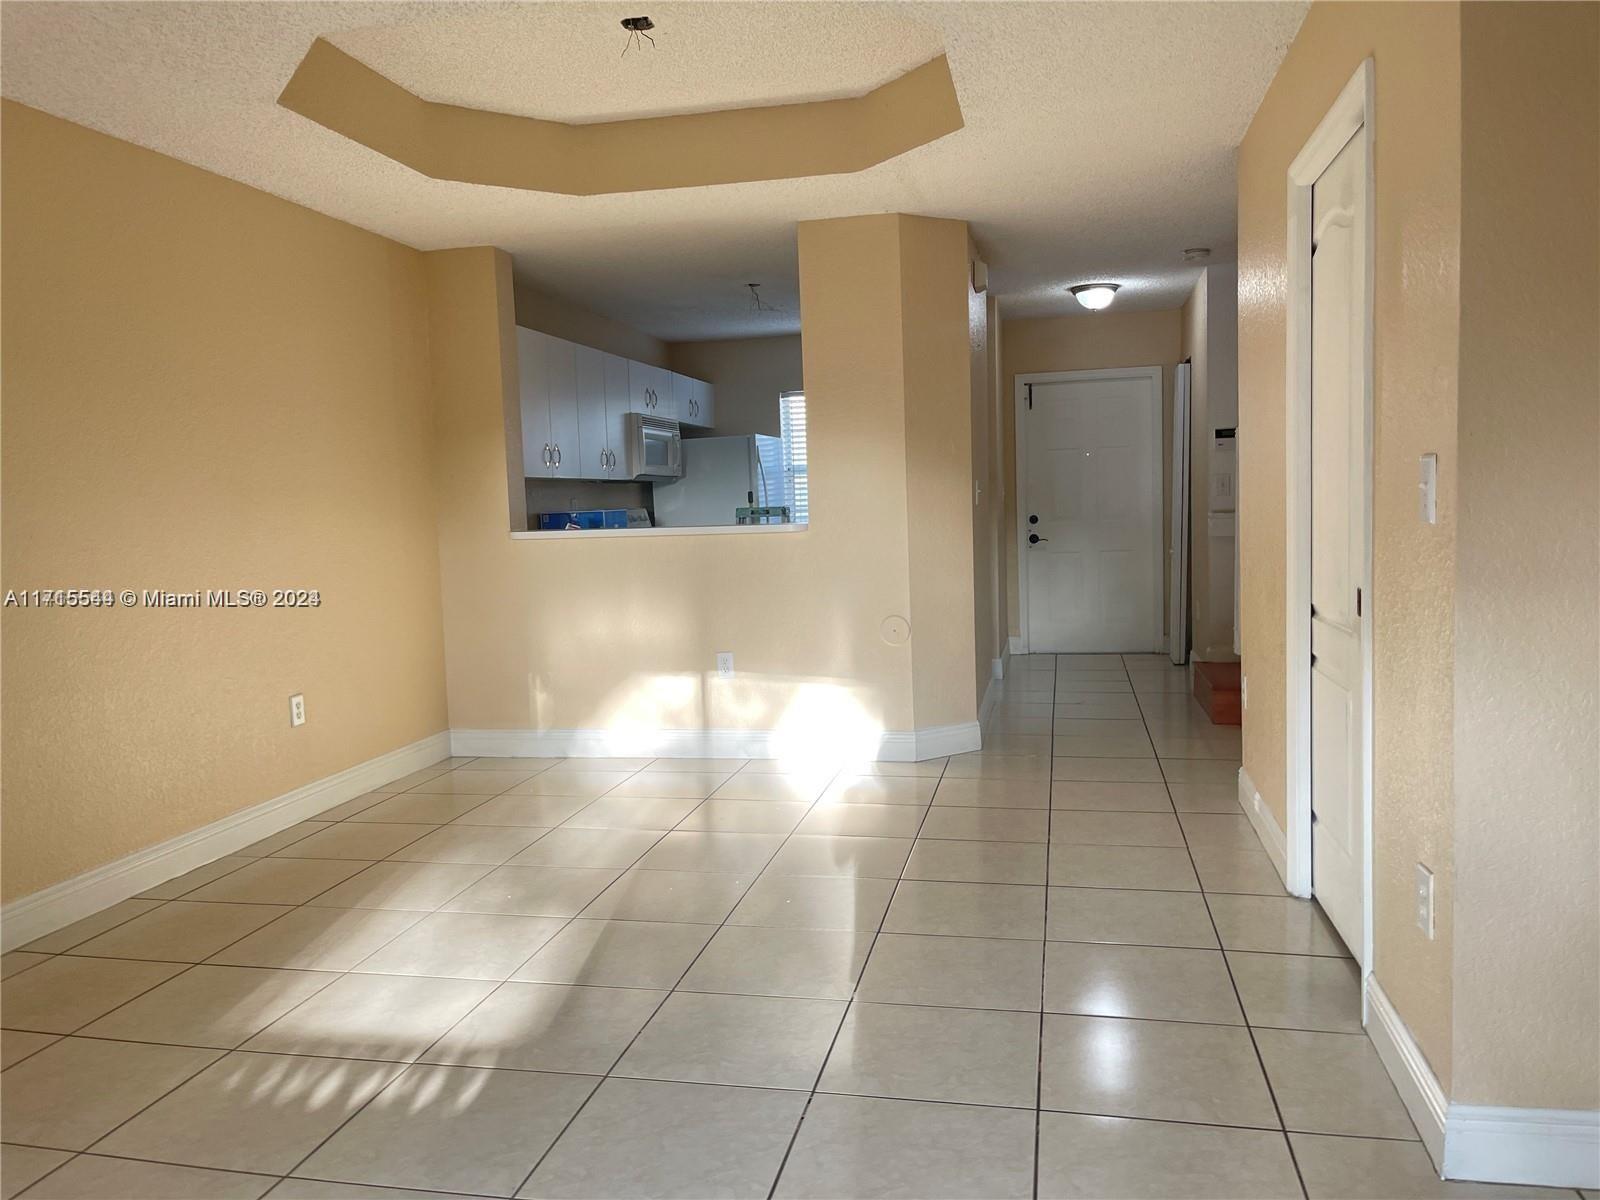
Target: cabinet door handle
x,y
558,456
547,454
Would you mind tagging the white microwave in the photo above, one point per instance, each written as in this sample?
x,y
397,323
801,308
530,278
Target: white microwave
x,y
654,449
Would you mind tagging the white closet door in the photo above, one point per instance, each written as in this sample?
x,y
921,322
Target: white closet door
x,y
1338,285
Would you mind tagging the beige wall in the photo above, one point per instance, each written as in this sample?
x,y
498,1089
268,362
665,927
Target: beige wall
x,y
1527,572
622,634
1091,342
750,374
204,387
988,637
1416,50
538,309
936,332
1209,332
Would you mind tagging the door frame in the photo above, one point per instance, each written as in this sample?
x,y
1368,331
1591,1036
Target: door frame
x,y
1350,117
1152,375
1179,518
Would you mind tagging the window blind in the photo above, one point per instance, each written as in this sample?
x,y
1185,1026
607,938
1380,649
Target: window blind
x,y
792,428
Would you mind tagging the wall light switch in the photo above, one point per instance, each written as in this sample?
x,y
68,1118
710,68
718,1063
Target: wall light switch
x,y
1428,489
1424,900
297,710
725,663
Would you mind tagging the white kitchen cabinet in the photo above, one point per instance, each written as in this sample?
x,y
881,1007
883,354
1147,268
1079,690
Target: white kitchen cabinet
x,y
683,398
651,390
575,402
594,443
533,388
561,365
619,403
702,405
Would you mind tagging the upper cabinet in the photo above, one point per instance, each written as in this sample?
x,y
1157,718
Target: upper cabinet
x,y
533,386
651,389
693,399
575,403
702,405
548,390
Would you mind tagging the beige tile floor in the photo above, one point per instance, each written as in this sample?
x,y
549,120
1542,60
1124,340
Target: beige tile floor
x,y
1060,967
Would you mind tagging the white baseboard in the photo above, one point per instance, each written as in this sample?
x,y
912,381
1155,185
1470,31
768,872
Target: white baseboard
x,y
991,693
1272,838
1540,1147
1408,1069
1548,1147
43,912
934,742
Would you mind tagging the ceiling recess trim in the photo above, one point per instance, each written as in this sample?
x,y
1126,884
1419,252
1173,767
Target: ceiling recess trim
x,y
737,145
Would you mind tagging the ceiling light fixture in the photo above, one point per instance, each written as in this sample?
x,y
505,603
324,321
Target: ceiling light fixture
x,y
637,27
1095,295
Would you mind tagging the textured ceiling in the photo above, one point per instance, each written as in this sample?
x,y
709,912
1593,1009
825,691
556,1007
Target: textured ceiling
x,y
1099,138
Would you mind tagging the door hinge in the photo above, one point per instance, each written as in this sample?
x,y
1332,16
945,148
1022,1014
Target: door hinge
x,y
1029,388
1358,602
1313,658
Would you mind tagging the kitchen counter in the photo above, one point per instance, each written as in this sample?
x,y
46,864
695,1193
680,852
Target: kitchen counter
x,y
533,535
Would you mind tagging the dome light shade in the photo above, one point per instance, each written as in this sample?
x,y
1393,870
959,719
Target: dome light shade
x,y
1095,295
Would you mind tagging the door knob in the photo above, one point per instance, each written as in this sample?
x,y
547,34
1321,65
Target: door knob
x,y
1034,539
1033,518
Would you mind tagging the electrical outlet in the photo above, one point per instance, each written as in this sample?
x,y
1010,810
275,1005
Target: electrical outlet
x,y
1424,900
297,710
725,663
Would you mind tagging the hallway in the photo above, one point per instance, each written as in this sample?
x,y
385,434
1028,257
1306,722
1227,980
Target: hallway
x,y
1059,967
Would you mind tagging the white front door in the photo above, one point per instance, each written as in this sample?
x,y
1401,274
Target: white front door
x,y
1338,490
1090,512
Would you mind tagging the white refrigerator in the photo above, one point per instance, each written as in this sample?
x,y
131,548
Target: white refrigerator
x,y
721,475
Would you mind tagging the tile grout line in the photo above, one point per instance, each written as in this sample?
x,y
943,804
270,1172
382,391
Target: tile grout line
x,y
237,1049
1044,939
1261,1064
673,990
850,1002
497,985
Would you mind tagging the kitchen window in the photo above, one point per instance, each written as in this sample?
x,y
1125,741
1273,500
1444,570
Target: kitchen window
x,y
792,430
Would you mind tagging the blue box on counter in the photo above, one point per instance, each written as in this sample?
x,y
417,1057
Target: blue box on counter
x,y
587,518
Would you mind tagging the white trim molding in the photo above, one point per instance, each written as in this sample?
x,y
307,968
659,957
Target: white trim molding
x,y
991,691
1015,645
1548,1147
1541,1147
1266,827
31,917
889,746
1351,116
1412,1077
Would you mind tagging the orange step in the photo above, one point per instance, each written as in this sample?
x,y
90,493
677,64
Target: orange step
x,y
1216,687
